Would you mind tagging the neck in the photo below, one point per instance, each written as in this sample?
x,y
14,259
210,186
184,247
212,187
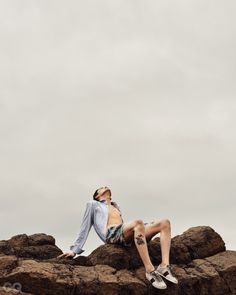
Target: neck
x,y
108,201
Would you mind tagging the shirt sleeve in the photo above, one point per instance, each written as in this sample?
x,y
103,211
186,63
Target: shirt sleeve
x,y
84,230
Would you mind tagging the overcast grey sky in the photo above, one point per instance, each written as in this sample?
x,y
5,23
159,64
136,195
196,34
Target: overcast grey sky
x,y
135,95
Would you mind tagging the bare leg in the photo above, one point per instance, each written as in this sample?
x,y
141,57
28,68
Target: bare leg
x,y
164,228
137,230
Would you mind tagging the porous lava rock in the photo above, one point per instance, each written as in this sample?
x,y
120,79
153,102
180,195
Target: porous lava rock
x,y
199,259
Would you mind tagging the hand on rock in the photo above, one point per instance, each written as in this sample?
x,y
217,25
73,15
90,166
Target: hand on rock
x,y
67,255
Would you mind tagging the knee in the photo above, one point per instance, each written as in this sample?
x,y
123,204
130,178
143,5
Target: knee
x,y
138,223
165,224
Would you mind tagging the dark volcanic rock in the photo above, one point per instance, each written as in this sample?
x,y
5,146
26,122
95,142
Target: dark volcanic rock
x,y
38,246
199,260
117,258
11,291
197,242
201,241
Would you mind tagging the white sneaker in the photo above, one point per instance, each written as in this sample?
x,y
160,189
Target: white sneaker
x,y
156,280
166,273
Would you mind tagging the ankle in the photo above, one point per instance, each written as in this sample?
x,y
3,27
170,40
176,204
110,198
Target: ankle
x,y
150,268
163,264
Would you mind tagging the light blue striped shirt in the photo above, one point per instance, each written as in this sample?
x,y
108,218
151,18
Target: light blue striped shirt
x,y
96,215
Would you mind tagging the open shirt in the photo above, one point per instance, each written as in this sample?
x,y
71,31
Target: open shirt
x,y
96,215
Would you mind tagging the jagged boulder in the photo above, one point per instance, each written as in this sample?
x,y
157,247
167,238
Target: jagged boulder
x,y
38,246
196,242
199,258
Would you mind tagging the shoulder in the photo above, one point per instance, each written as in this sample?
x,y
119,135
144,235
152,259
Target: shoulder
x,y
116,205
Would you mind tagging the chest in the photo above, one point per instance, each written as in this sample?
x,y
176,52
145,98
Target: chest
x,y
113,210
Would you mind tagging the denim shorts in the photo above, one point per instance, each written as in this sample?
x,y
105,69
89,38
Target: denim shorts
x,y
115,235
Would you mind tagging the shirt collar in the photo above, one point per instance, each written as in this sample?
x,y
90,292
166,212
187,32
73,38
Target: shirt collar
x,y
105,201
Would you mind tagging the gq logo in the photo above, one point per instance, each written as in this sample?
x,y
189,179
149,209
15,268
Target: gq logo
x,y
15,286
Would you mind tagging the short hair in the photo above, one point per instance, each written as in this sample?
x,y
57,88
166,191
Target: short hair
x,y
95,194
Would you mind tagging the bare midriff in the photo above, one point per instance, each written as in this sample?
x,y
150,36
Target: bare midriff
x,y
114,216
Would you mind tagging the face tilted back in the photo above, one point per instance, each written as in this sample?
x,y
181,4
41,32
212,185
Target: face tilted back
x,y
100,191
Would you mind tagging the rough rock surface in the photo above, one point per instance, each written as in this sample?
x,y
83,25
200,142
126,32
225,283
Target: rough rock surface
x,y
39,246
198,256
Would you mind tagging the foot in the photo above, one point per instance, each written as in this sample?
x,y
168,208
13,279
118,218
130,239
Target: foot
x,y
155,279
166,273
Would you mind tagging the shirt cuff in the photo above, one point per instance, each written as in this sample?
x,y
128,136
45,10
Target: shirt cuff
x,y
76,249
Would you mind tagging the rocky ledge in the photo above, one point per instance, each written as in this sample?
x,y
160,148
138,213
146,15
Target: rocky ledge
x,y
28,265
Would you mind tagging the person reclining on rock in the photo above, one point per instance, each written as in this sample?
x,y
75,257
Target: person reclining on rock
x,y
106,218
